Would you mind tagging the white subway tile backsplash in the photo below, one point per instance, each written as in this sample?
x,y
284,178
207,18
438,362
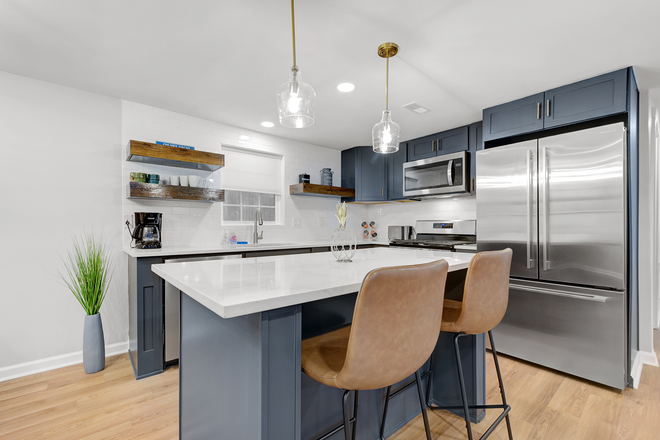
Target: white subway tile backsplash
x,y
180,210
189,223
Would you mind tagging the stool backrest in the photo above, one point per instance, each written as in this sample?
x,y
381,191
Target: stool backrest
x,y
396,323
486,293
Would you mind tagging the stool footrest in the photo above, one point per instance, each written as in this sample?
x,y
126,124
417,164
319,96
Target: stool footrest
x,y
409,384
335,430
433,407
497,421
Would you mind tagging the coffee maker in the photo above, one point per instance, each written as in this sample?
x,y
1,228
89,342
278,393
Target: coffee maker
x,y
147,230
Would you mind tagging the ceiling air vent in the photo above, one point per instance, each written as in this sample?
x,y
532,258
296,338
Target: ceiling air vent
x,y
416,108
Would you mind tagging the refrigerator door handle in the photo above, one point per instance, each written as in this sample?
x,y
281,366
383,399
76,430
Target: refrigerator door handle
x,y
544,216
530,185
580,296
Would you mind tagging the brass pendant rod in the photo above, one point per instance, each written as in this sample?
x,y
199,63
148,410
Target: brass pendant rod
x,y
387,83
293,33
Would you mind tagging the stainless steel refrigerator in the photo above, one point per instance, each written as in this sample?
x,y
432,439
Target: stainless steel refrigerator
x,y
560,203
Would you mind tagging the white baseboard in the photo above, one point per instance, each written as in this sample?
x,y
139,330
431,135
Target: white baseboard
x,y
51,363
642,358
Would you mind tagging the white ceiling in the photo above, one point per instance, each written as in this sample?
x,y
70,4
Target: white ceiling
x,y
223,60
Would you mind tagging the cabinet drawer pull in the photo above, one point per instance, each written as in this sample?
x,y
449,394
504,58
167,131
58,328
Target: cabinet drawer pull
x,y
538,110
547,108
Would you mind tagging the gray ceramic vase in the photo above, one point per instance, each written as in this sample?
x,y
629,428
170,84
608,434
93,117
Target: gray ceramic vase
x,y
93,344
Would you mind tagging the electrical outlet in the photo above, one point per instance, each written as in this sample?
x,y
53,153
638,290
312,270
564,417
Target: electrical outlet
x,y
321,222
380,211
297,222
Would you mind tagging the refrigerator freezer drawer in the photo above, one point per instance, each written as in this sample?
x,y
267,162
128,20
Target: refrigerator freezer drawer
x,y
575,330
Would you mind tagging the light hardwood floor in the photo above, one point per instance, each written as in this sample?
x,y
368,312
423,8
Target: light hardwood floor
x,y
546,405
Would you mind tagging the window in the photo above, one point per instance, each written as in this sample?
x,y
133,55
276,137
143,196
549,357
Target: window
x,y
240,206
252,180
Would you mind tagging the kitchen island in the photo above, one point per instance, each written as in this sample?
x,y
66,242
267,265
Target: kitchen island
x,y
242,323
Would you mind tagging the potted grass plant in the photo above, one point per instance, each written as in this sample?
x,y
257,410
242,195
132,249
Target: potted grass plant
x,y
88,276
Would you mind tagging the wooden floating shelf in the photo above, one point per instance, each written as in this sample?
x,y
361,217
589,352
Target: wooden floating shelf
x,y
309,189
146,152
139,190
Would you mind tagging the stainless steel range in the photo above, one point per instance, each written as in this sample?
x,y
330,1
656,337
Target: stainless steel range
x,y
451,235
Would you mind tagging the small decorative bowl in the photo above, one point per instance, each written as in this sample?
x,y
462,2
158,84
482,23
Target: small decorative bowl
x,y
153,178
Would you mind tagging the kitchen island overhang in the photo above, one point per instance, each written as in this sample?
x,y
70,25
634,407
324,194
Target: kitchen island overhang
x,y
242,322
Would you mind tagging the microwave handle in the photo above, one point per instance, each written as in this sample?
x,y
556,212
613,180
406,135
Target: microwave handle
x,y
450,172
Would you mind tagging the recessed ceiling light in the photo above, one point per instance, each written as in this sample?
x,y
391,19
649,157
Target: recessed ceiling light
x,y
345,87
267,124
244,137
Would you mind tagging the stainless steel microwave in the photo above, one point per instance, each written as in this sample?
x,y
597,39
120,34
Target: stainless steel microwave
x,y
440,176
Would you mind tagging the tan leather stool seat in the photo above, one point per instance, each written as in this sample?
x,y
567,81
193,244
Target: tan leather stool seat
x,y
485,296
484,303
323,356
395,327
451,311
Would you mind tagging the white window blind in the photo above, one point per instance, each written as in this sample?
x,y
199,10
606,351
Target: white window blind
x,y
249,170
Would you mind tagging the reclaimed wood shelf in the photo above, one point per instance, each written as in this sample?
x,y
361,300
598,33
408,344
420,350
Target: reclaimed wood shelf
x,y
310,189
139,190
146,152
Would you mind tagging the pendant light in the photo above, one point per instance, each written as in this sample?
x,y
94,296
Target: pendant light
x,y
387,133
295,99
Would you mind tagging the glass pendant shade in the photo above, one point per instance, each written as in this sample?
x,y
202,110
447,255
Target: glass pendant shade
x,y
386,135
295,102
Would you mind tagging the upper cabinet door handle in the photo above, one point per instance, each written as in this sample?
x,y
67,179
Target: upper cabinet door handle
x,y
433,145
547,108
538,110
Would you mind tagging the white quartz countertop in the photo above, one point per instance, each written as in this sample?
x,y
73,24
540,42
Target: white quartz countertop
x,y
168,251
239,287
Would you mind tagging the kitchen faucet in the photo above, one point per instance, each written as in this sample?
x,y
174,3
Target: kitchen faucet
x,y
257,221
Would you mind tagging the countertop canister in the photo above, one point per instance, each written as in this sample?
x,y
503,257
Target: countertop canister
x,y
326,176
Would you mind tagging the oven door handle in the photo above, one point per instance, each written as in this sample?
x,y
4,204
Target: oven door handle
x,y
450,172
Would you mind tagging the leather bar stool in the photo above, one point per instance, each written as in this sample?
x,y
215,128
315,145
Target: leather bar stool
x,y
396,324
484,303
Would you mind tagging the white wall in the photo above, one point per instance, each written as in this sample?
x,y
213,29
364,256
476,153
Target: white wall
x,y
648,228
200,224
60,172
458,208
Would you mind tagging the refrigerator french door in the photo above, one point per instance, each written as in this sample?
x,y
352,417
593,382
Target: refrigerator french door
x,y
560,203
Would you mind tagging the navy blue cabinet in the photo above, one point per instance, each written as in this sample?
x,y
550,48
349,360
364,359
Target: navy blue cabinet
x,y
421,148
395,163
476,143
581,101
365,171
449,141
589,99
145,324
379,177
516,117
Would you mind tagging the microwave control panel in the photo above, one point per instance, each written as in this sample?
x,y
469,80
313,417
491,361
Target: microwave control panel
x,y
458,172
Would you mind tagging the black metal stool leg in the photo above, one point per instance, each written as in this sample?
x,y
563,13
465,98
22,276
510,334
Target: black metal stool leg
x,y
355,412
461,382
429,383
499,378
347,419
387,402
422,403
466,408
